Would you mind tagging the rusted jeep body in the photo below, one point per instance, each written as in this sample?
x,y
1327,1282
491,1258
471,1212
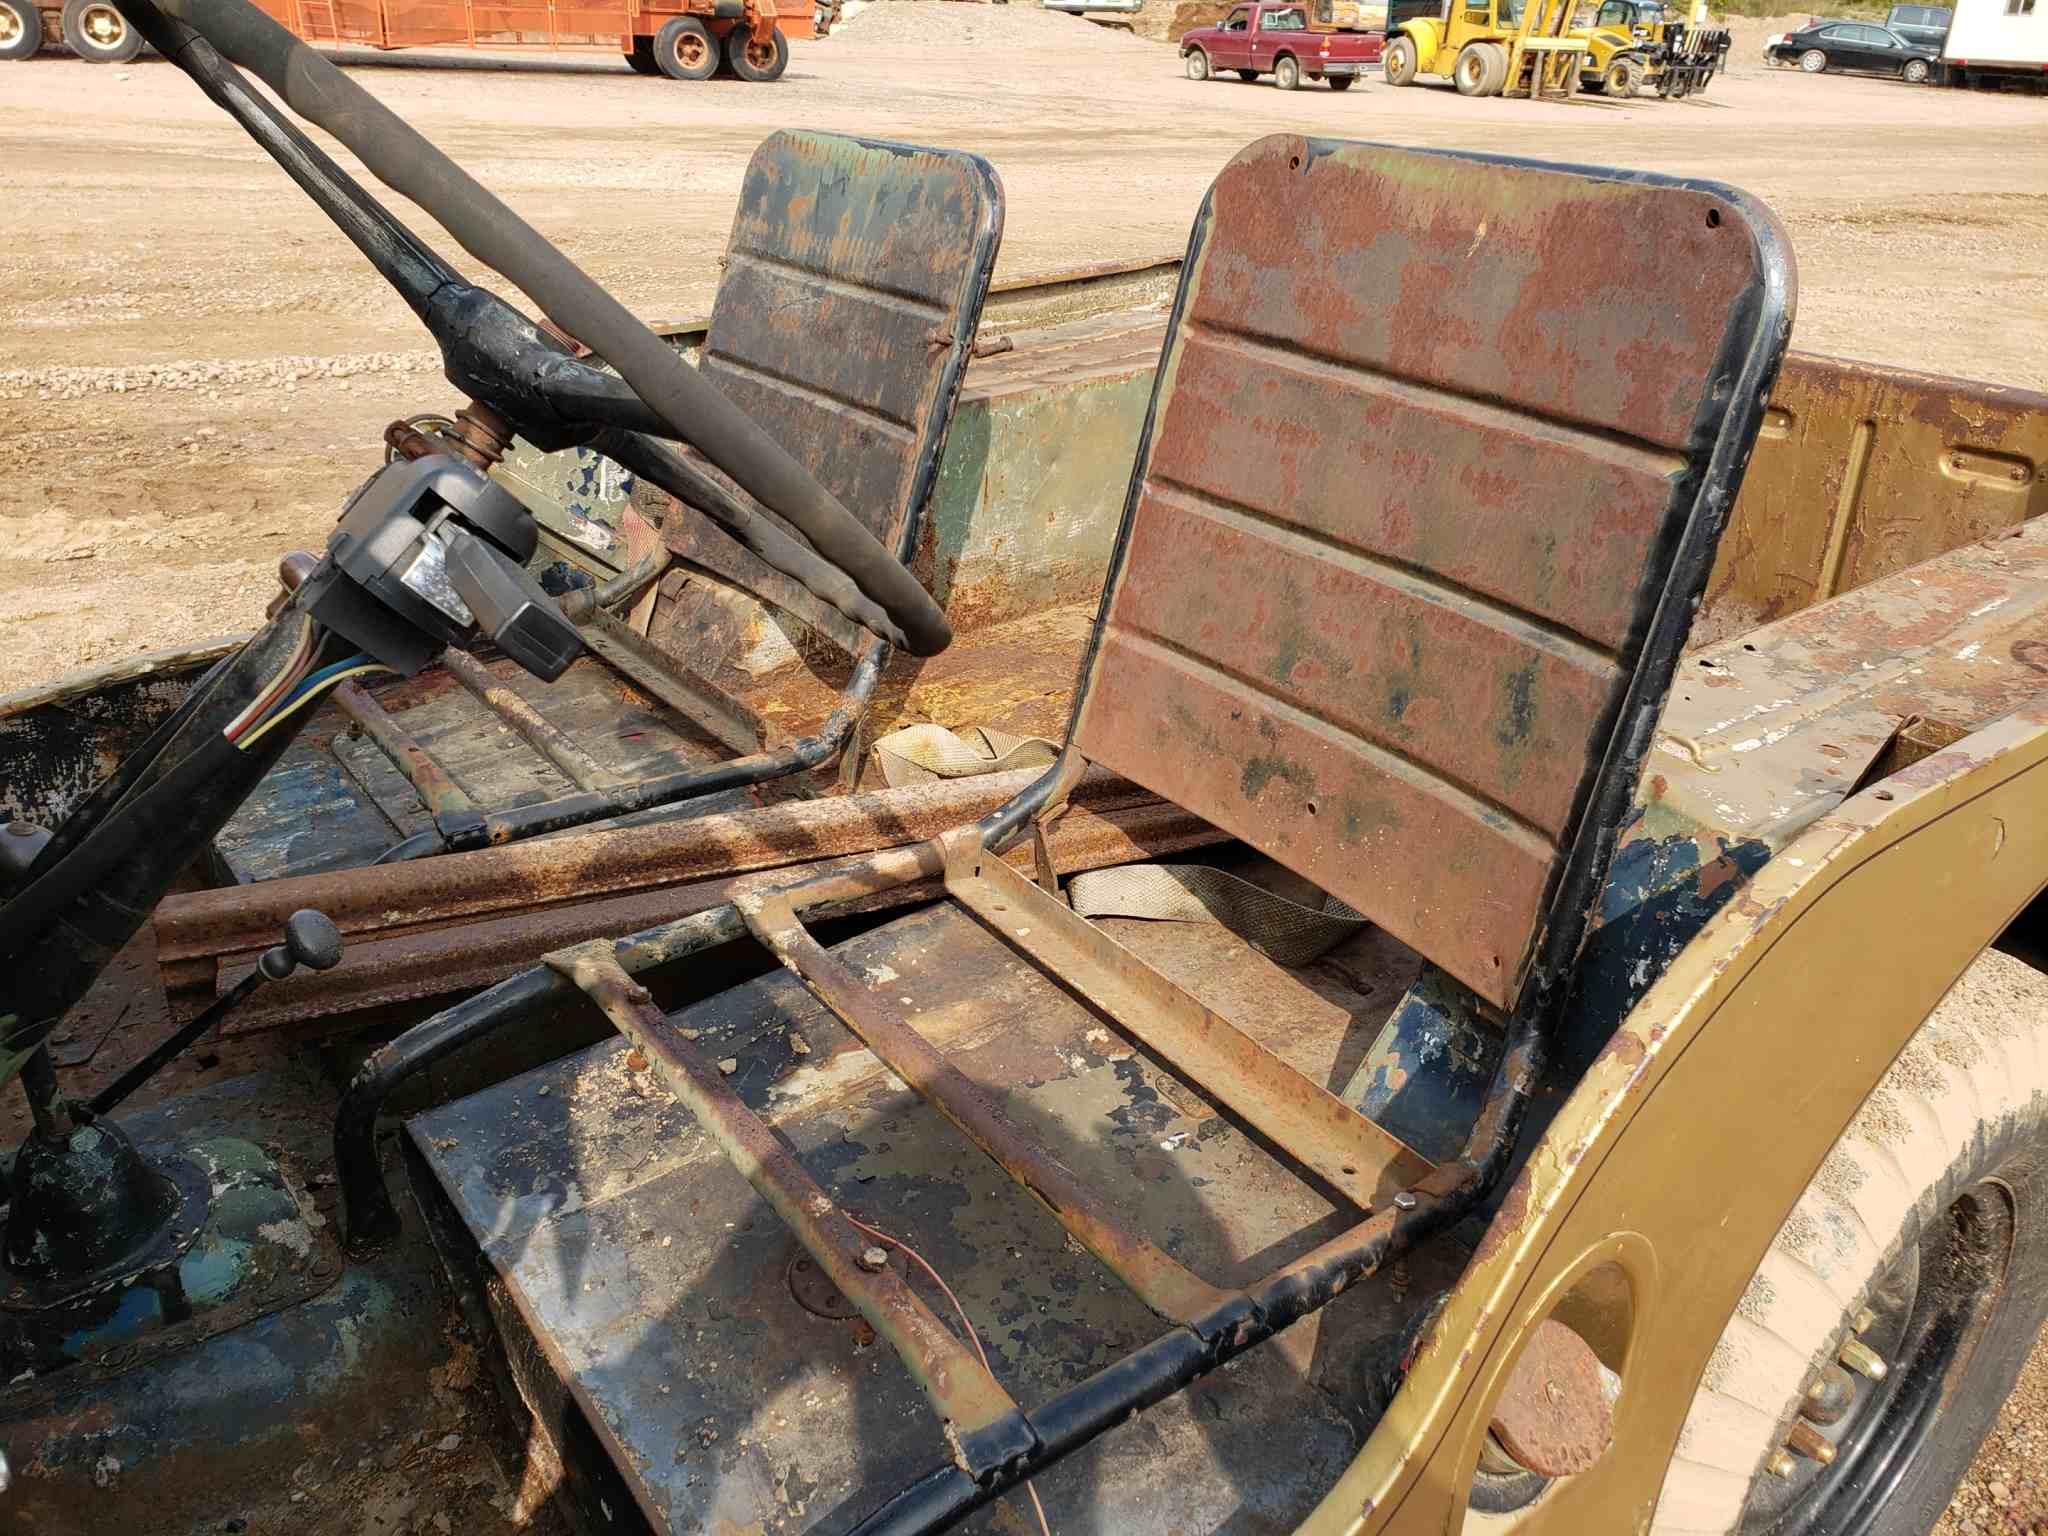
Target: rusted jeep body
x,y
1851,749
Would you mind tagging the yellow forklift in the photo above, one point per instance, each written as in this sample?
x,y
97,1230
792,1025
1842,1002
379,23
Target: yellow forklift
x,y
1499,48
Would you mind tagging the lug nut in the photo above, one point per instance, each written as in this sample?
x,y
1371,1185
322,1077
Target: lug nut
x,y
1781,1464
1864,1321
874,1258
1864,1360
1804,1440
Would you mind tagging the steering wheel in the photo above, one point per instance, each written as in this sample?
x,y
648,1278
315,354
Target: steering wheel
x,y
499,356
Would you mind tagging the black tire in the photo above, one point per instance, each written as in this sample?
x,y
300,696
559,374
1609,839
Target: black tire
x,y
95,31
1400,63
1287,72
685,49
758,63
1915,72
1945,1176
1497,69
21,29
1813,62
1341,82
1247,75
641,57
1196,63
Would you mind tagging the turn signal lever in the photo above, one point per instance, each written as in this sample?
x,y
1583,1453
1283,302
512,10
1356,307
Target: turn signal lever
x,y
431,553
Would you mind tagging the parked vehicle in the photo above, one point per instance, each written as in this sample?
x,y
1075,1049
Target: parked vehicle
x,y
1631,44
1606,761
1265,38
1923,24
1853,47
1997,43
682,39
1501,48
95,30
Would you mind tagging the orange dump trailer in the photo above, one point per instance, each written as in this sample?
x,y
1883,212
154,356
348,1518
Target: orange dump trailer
x,y
683,39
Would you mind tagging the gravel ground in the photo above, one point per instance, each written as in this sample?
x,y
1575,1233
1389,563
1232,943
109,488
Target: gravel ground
x,y
194,369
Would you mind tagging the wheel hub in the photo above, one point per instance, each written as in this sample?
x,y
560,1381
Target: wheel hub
x,y
1865,1416
104,25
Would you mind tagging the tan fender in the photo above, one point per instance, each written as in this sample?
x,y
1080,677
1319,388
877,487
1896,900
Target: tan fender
x,y
1688,1141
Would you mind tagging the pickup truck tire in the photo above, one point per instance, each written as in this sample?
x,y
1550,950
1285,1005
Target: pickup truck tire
x,y
1399,65
1287,72
1196,63
759,63
1341,82
21,29
1915,72
685,49
1925,1226
95,31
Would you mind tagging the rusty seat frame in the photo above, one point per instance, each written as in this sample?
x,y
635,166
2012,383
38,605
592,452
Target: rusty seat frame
x,y
874,371
1719,389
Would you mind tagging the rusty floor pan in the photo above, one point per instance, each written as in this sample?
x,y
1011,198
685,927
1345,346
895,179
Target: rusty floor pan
x,y
656,1282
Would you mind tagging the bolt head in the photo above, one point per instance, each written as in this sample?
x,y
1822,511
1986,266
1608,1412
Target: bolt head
x,y
1781,1464
874,1258
1404,1201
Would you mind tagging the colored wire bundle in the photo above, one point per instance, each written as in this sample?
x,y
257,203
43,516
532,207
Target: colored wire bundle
x,y
293,688
306,692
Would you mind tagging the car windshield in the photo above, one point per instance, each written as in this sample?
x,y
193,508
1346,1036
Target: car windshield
x,y
1511,13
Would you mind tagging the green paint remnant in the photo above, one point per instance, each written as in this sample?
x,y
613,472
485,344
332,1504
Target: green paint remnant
x,y
1262,770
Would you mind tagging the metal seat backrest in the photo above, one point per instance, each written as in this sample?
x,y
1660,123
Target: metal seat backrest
x,y
1436,461
844,322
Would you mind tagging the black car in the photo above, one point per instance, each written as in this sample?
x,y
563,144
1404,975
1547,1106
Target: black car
x,y
1856,46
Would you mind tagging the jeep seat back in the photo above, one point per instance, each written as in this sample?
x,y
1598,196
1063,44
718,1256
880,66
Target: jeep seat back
x,y
1430,488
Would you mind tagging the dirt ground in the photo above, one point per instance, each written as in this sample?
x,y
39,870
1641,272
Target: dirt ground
x,y
194,369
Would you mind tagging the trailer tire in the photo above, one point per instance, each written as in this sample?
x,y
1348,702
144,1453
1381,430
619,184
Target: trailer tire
x,y
1928,1213
685,49
21,29
1196,63
1915,72
1287,72
754,61
95,31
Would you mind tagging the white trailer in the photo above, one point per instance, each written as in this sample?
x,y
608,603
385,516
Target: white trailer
x,y
1991,42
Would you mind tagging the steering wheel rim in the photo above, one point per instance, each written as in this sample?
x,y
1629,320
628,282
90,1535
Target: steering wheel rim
x,y
667,392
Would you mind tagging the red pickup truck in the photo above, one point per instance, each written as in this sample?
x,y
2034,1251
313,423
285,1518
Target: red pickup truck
x,y
1272,37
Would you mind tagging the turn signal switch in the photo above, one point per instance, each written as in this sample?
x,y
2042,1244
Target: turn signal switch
x,y
431,553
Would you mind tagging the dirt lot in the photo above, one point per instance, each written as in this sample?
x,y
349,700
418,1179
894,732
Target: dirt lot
x,y
194,369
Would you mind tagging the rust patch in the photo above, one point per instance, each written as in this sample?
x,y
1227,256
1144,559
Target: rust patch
x,y
1553,1416
1507,1221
